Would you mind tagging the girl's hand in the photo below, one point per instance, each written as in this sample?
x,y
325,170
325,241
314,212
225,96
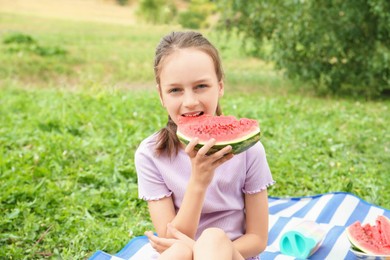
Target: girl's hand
x,y
161,244
180,236
203,166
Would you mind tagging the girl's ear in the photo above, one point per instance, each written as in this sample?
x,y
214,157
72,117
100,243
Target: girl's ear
x,y
221,88
160,95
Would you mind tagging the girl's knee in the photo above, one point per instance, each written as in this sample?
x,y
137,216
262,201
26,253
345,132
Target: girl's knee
x,y
183,250
213,243
213,235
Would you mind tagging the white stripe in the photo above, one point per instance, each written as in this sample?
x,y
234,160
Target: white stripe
x,y
344,211
272,219
116,258
277,202
145,252
316,210
288,212
340,248
284,257
372,214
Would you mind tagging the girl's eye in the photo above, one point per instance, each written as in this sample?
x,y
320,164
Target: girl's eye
x,y
201,86
174,90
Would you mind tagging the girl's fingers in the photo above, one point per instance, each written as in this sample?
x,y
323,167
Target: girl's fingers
x,y
160,244
223,152
190,148
206,147
223,159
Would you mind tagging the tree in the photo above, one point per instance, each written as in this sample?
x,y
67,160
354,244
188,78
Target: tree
x,y
338,46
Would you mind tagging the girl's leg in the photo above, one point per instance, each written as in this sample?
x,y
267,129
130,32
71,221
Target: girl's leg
x,y
178,251
215,244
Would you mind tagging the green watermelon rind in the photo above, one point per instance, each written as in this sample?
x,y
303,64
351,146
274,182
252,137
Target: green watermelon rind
x,y
238,146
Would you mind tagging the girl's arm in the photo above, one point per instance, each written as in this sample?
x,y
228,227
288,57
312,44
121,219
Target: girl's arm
x,y
163,212
202,172
254,241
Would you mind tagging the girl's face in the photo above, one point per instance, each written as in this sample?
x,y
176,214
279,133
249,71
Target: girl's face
x,y
189,85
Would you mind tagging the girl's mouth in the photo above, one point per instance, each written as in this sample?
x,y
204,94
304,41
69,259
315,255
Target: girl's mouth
x,y
193,114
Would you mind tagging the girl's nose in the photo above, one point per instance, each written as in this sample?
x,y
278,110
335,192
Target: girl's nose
x,y
190,100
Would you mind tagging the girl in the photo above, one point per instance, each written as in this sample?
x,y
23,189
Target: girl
x,y
202,207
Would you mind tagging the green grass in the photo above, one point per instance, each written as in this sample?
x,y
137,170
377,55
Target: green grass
x,y
70,124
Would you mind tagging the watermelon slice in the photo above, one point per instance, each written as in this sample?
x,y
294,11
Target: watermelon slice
x,y
241,134
372,240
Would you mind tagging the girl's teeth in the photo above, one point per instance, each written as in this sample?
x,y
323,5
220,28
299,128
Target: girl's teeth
x,y
192,115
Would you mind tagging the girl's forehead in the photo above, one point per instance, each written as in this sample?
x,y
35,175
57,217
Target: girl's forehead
x,y
186,66
185,57
180,52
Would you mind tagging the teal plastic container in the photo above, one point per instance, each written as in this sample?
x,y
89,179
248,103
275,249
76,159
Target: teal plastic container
x,y
302,241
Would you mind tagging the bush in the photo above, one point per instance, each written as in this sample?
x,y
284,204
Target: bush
x,y
20,42
339,47
122,2
196,15
24,58
157,11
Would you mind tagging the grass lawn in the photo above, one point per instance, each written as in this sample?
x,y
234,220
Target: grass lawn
x,y
75,104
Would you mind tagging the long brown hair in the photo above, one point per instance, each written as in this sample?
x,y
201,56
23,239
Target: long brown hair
x,y
167,141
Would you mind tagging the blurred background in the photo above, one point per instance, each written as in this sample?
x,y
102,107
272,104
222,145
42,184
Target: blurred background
x,y
77,96
336,48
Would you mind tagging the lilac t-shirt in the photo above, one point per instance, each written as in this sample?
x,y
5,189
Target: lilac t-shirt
x,y
223,207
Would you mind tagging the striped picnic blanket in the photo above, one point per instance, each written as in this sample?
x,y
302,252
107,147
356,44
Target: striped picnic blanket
x,y
332,211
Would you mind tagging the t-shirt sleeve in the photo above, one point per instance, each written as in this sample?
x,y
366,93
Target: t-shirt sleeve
x,y
151,185
258,176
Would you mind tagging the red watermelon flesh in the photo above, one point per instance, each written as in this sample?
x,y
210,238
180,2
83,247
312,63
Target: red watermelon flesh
x,y
221,128
383,224
240,134
371,239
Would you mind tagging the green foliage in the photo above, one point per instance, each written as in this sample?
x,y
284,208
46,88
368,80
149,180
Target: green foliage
x,y
122,2
19,42
70,124
22,55
68,177
157,11
18,38
67,172
104,53
338,46
95,52
195,17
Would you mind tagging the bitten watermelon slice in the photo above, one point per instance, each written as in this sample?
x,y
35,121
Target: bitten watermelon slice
x,y
241,134
372,240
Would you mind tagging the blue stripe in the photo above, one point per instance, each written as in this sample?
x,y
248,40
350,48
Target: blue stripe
x,y
330,208
303,211
328,211
272,199
359,213
328,243
276,229
350,256
269,255
277,208
100,255
132,247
